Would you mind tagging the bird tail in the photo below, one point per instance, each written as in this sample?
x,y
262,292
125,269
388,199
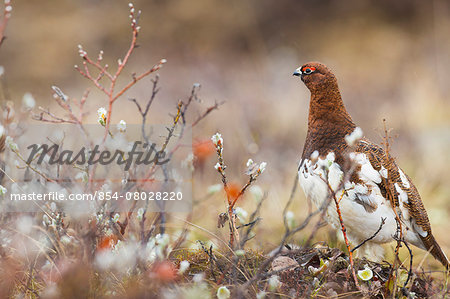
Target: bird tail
x,y
438,254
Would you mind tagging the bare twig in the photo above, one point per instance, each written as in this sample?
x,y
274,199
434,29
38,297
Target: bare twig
x,y
291,198
171,129
144,112
193,96
344,233
253,220
103,72
251,179
410,264
208,111
220,166
6,15
32,167
383,221
212,260
53,118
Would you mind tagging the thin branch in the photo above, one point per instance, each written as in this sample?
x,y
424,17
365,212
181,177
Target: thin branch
x,y
383,221
129,85
252,178
410,263
332,196
172,129
253,220
193,96
33,168
87,75
144,113
344,231
208,111
110,91
53,118
291,198
4,22
249,224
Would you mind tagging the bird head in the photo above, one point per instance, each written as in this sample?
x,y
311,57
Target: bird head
x,y
315,75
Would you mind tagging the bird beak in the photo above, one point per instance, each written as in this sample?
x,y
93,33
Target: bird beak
x,y
297,72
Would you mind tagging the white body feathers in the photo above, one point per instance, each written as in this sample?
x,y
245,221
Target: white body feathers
x,y
362,205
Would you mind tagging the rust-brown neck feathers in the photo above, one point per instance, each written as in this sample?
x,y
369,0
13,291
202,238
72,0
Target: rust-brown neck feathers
x,y
328,121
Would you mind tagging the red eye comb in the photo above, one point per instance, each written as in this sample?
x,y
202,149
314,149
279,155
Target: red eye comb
x,y
309,67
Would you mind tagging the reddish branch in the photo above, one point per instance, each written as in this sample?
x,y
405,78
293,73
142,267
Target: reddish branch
x,y
344,232
341,221
103,72
250,181
234,233
65,103
208,111
4,22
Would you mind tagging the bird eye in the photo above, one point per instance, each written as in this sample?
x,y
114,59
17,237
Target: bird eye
x,y
308,70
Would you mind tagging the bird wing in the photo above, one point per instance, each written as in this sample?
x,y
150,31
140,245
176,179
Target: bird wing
x,y
394,186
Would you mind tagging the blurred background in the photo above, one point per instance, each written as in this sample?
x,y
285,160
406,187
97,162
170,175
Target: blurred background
x,y
391,59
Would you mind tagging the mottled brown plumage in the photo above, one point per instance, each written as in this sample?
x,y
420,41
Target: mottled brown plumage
x,y
329,123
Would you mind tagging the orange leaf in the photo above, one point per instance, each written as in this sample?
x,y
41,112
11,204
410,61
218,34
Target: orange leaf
x,y
107,242
233,190
164,271
203,149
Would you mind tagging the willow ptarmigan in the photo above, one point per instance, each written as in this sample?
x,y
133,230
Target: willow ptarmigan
x,y
366,180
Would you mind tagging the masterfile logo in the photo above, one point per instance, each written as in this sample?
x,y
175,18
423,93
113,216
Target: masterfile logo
x,y
147,155
75,168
